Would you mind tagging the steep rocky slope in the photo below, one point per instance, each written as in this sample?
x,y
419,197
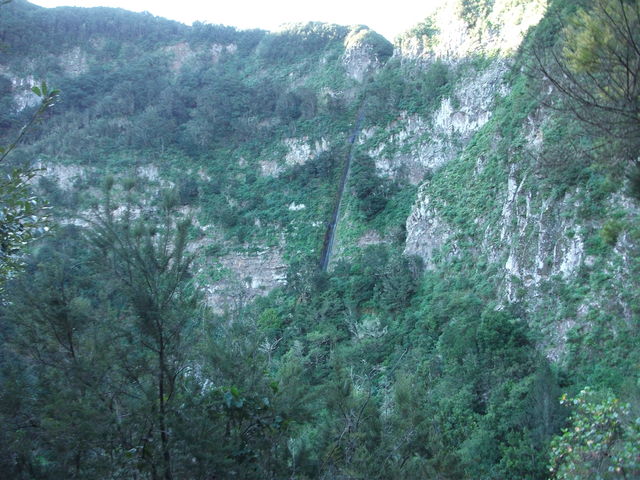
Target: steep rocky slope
x,y
483,238
486,197
538,238
497,203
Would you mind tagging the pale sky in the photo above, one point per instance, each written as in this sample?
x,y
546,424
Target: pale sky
x,y
389,17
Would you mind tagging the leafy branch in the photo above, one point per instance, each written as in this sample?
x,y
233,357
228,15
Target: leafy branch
x,y
48,99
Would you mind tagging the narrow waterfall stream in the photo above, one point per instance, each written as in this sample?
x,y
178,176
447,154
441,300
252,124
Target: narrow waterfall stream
x,y
333,225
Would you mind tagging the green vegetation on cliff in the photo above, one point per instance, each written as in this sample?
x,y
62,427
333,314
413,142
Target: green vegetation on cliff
x,y
479,316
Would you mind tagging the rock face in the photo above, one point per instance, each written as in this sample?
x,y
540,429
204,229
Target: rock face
x,y
414,145
454,32
541,244
74,62
535,240
23,97
427,232
246,276
360,61
548,255
299,152
181,53
365,53
64,175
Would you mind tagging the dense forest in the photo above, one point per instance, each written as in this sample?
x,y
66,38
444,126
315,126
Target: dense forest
x,y
316,254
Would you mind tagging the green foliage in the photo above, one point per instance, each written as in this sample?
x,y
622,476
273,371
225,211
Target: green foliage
x,y
610,231
472,11
602,440
56,330
362,36
592,66
111,364
188,191
110,315
426,31
21,219
150,265
300,40
371,191
33,27
22,215
300,103
406,87
202,34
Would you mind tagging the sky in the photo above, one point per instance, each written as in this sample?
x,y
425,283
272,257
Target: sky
x,y
388,18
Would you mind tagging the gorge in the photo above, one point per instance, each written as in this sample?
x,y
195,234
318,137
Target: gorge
x,y
316,253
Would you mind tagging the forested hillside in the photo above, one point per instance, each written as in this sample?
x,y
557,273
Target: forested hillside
x,y
317,254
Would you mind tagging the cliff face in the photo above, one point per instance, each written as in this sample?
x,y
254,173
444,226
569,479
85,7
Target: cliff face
x,y
485,250
459,30
228,118
494,202
413,145
446,111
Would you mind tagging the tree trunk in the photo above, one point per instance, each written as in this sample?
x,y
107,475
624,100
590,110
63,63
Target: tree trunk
x,y
164,437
